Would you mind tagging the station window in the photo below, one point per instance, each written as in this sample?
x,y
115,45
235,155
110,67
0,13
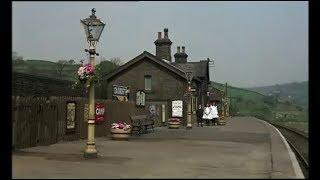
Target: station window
x,y
147,82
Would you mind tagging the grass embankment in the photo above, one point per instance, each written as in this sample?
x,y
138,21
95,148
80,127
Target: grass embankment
x,y
250,103
51,69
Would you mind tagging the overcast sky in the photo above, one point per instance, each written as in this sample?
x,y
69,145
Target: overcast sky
x,y
252,43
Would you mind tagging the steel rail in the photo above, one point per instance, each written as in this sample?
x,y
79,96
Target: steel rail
x,y
294,135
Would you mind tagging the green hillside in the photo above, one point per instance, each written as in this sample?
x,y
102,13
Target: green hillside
x,y
296,92
247,103
250,103
51,69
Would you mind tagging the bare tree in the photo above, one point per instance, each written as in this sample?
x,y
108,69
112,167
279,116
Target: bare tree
x,y
14,55
81,61
16,59
60,66
71,61
116,60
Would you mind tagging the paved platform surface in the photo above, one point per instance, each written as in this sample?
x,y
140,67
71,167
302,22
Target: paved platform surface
x,y
244,148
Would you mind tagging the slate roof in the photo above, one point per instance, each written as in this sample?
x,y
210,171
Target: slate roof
x,y
199,69
169,66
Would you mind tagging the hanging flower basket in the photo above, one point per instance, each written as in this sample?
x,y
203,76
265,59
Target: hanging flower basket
x,y
85,75
120,131
174,123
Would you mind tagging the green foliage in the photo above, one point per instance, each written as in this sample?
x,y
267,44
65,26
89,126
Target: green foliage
x,y
105,67
239,99
270,100
299,108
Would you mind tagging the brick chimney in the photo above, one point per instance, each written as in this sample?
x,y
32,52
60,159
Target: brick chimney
x,y
163,46
180,57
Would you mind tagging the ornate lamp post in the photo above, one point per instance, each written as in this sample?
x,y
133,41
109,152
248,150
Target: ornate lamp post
x,y
93,28
189,76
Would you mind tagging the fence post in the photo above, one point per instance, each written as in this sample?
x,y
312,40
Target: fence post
x,y
14,121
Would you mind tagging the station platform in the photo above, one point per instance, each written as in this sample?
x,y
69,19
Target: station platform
x,y
245,147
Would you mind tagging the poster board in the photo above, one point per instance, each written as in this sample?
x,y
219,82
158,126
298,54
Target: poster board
x,y
99,114
140,99
177,108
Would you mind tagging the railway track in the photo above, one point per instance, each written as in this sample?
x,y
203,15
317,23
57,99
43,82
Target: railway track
x,y
299,142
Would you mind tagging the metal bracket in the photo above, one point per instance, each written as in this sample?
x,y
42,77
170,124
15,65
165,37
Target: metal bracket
x,y
91,51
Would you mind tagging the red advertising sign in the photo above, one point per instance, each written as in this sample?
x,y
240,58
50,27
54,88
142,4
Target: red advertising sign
x,y
99,112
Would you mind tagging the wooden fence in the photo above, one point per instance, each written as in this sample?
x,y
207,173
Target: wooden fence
x,y
43,121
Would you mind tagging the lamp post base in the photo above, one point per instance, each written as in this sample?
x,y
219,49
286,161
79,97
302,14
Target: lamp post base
x,y
189,127
90,155
90,152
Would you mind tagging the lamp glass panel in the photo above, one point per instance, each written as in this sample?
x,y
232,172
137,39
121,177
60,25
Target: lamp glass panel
x,y
85,27
95,32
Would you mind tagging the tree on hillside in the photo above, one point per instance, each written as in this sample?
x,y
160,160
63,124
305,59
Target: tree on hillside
x,y
61,64
71,61
116,60
270,100
16,59
106,66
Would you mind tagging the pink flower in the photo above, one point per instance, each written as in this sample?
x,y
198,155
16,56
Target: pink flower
x,y
120,125
81,71
88,69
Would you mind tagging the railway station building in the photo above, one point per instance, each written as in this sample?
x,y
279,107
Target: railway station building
x,y
159,80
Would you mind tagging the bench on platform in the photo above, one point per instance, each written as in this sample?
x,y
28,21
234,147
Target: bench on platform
x,y
141,124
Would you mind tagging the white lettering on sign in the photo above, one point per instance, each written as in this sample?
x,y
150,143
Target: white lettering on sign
x,y
177,108
99,111
120,90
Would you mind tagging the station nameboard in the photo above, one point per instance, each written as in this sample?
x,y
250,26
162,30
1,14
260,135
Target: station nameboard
x,y
119,90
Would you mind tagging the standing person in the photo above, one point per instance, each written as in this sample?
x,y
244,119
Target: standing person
x,y
199,115
212,113
206,113
215,115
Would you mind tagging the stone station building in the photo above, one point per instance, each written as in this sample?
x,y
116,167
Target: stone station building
x,y
160,79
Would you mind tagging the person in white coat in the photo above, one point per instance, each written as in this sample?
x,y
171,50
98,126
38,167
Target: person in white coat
x,y
214,113
206,114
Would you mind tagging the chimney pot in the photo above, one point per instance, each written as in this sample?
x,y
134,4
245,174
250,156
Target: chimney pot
x,y
165,32
178,49
183,49
159,35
